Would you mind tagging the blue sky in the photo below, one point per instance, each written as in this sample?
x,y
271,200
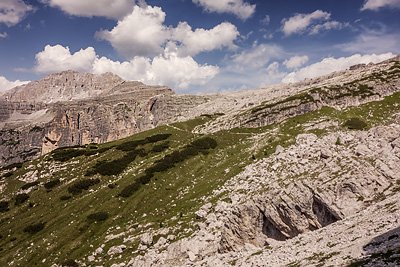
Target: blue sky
x,y
194,46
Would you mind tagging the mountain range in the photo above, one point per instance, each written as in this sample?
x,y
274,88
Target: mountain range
x,y
98,171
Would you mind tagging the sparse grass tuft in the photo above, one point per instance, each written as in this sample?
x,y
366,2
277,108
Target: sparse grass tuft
x,y
355,124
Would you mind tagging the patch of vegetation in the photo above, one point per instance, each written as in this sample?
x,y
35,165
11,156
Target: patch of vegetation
x,y
302,97
29,185
129,190
132,145
156,138
84,184
116,166
233,262
65,154
338,142
52,184
160,147
8,174
98,216
65,197
21,198
34,228
4,206
201,145
12,166
257,253
36,129
70,263
355,124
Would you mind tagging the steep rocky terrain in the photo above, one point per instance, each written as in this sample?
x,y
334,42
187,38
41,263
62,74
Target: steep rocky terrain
x,y
306,174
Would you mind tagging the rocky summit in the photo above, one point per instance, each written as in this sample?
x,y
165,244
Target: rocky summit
x,y
107,172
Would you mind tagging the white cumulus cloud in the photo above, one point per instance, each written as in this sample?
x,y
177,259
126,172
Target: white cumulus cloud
x,y
13,11
3,35
141,33
295,62
376,4
258,56
328,65
6,84
312,23
165,69
241,9
88,8
168,69
193,42
59,58
373,41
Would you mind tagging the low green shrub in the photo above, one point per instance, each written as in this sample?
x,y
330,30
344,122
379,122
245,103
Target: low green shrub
x,y
98,216
204,143
21,198
355,124
84,184
130,145
156,138
90,152
12,166
160,147
52,184
29,185
338,142
70,263
146,178
8,174
93,151
36,129
4,206
129,190
65,197
65,154
116,166
34,228
92,146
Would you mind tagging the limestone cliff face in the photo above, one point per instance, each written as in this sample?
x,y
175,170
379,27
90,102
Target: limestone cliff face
x,y
70,108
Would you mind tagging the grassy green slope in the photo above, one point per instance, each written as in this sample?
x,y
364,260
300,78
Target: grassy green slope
x,y
167,201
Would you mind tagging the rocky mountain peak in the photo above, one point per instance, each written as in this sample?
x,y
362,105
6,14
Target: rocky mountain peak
x,y
69,85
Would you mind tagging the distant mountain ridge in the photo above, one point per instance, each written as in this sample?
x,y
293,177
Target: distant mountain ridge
x,y
71,85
